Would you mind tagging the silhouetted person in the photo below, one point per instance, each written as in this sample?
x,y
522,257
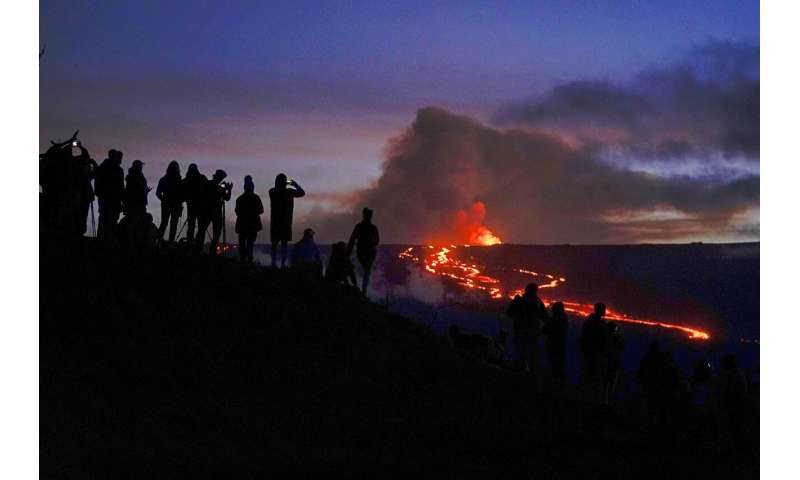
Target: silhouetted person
x,y
84,170
66,181
702,374
305,254
147,235
479,346
663,386
594,350
730,397
649,373
137,233
193,185
281,209
170,192
615,346
340,268
366,238
248,219
136,190
214,194
54,180
555,330
109,186
527,312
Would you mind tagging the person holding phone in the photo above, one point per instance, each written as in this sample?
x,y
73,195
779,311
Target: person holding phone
x,y
281,209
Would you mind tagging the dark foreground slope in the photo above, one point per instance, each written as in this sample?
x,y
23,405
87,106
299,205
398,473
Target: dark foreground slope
x,y
174,365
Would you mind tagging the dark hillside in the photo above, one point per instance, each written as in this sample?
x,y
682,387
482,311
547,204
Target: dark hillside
x,y
174,365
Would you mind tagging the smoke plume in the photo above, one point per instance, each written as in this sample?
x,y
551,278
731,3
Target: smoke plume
x,y
447,176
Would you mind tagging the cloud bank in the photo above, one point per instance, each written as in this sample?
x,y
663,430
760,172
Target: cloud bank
x,y
703,106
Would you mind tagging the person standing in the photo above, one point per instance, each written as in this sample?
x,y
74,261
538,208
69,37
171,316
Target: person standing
x,y
214,195
169,191
527,312
366,238
281,209
85,168
594,351
248,219
556,342
615,346
193,184
136,190
109,186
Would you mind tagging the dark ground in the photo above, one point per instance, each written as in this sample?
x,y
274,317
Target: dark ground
x,y
173,365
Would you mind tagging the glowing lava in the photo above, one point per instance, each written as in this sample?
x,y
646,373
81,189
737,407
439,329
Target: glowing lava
x,y
484,236
440,261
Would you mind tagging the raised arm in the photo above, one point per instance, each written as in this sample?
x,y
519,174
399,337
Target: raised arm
x,y
298,190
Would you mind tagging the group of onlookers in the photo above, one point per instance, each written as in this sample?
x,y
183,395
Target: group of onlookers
x,y
70,182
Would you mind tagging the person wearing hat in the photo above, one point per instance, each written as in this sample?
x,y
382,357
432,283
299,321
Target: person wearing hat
x,y
136,190
214,195
109,186
248,219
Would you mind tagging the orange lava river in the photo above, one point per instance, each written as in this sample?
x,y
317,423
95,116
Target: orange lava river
x,y
443,261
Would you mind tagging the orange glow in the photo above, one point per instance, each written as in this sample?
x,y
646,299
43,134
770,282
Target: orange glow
x,y
224,247
468,226
484,236
440,261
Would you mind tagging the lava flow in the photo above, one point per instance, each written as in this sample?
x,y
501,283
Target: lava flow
x,y
441,261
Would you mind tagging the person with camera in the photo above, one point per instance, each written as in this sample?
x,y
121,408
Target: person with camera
x,y
212,201
281,206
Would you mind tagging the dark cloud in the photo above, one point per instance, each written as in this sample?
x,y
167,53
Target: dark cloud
x,y
447,171
705,103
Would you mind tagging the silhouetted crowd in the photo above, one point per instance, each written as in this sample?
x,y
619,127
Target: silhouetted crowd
x,y
669,396
70,180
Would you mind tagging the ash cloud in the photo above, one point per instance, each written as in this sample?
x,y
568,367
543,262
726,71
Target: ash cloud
x,y
536,188
705,103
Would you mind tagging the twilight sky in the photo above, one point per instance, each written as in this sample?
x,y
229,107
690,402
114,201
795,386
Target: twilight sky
x,y
547,122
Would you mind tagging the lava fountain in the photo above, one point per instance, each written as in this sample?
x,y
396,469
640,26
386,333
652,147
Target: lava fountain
x,y
444,261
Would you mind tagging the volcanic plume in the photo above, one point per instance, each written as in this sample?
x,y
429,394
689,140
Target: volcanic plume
x,y
449,179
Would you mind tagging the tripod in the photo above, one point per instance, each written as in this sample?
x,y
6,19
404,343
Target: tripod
x,y
94,228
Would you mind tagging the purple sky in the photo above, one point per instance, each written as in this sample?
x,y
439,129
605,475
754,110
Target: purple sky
x,y
315,89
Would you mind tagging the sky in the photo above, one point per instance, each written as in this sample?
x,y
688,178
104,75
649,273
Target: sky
x,y
545,122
